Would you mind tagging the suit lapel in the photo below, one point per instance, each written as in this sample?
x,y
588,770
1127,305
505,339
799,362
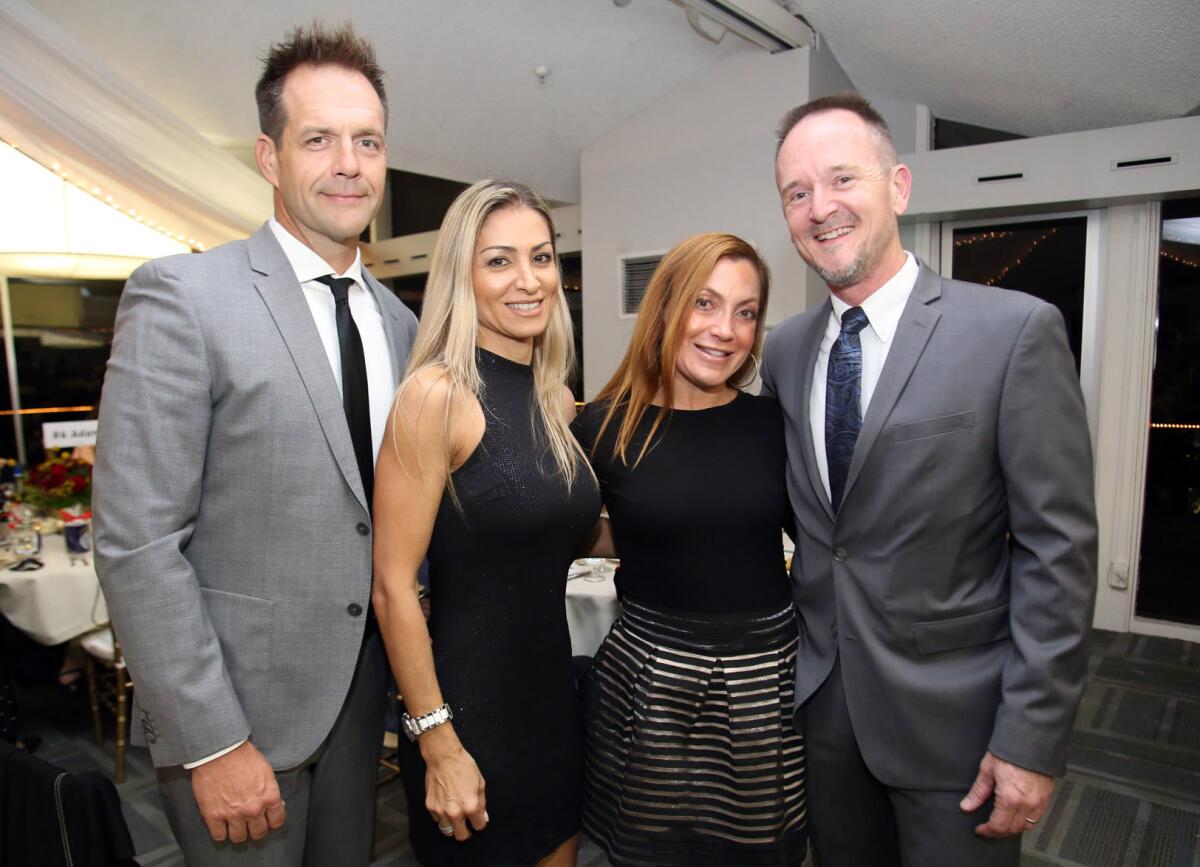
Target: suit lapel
x,y
912,334
276,283
810,346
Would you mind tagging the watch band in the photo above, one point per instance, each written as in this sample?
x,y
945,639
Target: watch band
x,y
414,727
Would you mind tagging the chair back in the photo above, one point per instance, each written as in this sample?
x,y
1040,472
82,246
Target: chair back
x,y
52,817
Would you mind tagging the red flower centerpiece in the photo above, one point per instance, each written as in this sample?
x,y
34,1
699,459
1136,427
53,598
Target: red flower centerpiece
x,y
61,483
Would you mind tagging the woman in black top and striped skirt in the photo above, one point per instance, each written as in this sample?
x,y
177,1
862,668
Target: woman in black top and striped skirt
x,y
691,756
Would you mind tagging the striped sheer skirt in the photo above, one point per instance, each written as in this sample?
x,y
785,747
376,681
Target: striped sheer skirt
x,y
691,756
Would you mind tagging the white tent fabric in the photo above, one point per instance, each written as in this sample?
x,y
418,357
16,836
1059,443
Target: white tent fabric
x,y
68,110
57,230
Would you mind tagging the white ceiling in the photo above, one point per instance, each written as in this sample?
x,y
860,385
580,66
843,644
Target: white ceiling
x,y
463,98
1032,67
465,102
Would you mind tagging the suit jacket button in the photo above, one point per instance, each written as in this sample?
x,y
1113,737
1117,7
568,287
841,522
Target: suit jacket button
x,y
354,608
833,629
363,529
840,555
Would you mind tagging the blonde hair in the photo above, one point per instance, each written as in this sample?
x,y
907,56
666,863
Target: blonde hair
x,y
449,328
649,363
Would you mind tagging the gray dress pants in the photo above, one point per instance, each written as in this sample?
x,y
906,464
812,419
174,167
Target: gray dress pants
x,y
855,820
330,798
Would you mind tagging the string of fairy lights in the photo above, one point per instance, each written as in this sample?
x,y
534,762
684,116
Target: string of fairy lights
x,y
1179,260
1033,245
979,237
99,193
999,235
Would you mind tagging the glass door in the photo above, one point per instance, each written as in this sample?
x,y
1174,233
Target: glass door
x,y
1168,578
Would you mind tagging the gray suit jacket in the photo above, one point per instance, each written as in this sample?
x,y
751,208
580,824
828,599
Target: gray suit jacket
x,y
232,531
956,582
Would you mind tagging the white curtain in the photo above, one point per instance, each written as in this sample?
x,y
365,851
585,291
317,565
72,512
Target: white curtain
x,y
60,104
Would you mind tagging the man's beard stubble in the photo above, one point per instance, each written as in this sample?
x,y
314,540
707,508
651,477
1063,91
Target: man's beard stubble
x,y
860,268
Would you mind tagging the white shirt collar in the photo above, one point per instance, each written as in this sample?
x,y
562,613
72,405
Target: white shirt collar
x,y
885,305
305,261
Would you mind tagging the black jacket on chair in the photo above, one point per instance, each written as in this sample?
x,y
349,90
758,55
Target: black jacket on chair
x,y
49,817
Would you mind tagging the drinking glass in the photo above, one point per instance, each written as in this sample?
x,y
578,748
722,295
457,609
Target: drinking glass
x,y
25,541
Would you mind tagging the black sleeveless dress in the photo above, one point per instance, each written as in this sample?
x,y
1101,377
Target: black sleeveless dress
x,y
498,570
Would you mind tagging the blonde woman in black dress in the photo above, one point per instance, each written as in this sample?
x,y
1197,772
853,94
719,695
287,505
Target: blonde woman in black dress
x,y
691,756
480,472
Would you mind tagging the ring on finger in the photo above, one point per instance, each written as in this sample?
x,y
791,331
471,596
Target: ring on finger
x,y
447,829
1030,820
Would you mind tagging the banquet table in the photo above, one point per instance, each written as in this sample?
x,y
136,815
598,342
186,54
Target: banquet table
x,y
592,607
56,603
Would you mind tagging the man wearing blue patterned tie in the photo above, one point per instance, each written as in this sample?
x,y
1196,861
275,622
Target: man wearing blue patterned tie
x,y
940,471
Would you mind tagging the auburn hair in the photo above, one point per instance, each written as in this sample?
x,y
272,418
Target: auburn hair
x,y
647,370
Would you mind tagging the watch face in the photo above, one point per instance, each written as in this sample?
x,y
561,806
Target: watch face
x,y
410,727
414,727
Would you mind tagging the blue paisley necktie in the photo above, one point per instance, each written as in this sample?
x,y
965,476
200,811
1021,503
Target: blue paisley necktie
x,y
843,390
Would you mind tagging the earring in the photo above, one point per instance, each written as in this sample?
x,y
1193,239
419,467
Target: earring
x,y
757,369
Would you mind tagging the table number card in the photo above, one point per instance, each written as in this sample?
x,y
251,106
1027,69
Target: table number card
x,y
68,434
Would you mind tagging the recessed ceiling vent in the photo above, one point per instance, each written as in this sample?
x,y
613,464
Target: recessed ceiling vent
x,y
766,23
1145,162
636,272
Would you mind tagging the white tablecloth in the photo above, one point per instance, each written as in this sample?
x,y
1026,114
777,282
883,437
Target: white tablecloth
x,y
591,609
57,602
592,606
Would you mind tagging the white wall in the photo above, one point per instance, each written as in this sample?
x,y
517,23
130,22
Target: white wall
x,y
701,159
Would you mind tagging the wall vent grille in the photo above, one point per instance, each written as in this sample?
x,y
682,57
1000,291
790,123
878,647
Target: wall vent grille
x,y
636,272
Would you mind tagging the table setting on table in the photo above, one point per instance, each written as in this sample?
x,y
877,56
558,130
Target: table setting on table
x,y
592,604
48,584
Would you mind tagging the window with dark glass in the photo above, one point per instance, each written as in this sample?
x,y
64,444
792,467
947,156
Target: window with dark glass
x,y
1168,578
62,335
1046,258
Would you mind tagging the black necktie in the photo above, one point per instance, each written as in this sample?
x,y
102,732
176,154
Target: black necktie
x,y
843,392
355,399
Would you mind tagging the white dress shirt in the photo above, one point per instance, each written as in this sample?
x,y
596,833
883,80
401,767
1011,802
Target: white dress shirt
x,y
883,309
381,383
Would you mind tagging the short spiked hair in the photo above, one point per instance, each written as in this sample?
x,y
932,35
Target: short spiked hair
x,y
316,45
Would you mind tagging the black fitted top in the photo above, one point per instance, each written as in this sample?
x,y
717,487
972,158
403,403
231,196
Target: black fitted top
x,y
697,522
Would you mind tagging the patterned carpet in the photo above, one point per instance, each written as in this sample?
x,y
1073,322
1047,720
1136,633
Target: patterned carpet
x,y
1131,797
1132,794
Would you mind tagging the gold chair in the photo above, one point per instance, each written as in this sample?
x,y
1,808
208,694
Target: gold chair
x,y
108,685
389,761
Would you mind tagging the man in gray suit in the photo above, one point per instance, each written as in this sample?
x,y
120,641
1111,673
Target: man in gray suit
x,y
244,403
940,472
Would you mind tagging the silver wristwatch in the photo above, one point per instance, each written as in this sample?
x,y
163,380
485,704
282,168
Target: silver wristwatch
x,y
414,727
